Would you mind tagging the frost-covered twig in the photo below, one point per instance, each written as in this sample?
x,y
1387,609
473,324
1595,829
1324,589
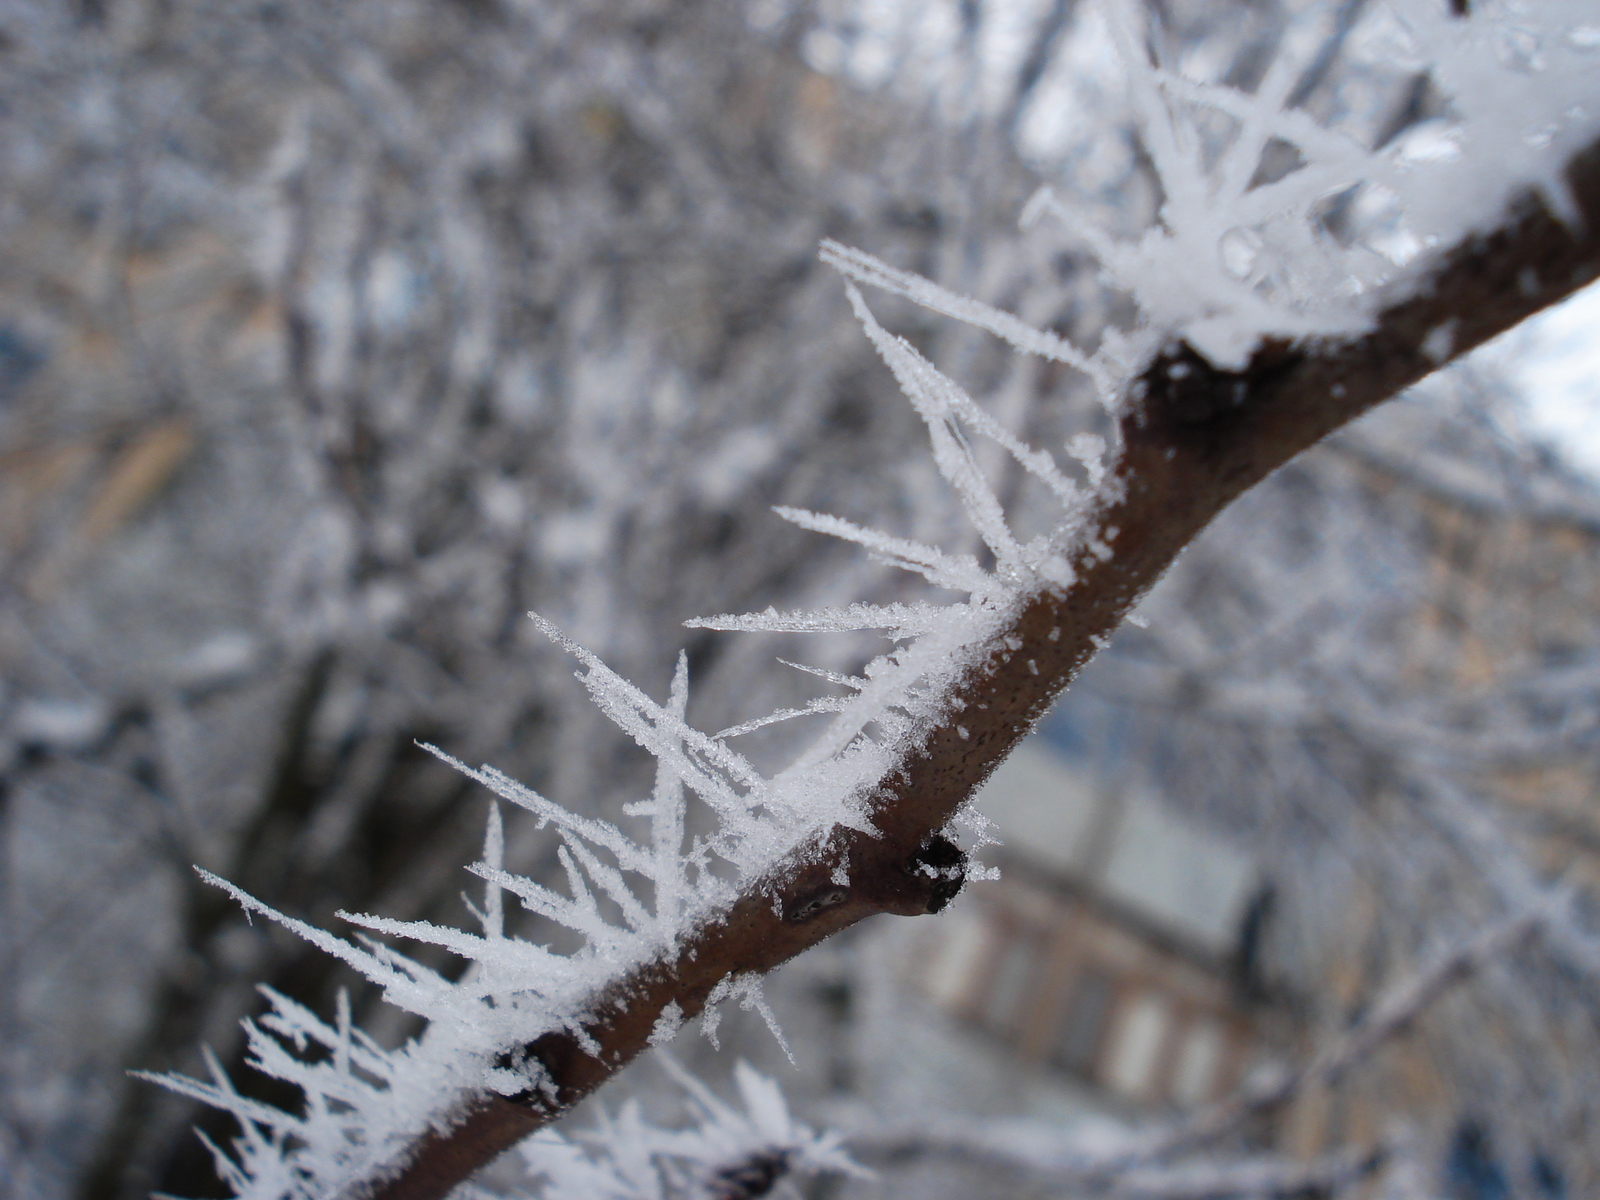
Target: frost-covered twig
x,y
856,825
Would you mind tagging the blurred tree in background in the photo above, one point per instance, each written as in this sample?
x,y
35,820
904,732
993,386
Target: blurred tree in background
x,y
339,338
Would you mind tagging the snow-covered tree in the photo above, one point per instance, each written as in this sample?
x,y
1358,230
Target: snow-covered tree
x,y
1305,262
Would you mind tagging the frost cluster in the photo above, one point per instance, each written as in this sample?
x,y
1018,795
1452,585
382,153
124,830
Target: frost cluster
x,y
1241,252
726,1153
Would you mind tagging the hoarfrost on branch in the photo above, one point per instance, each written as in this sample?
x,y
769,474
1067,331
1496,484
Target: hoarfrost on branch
x,y
1235,260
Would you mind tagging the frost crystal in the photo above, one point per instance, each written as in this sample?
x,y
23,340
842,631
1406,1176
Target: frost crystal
x,y
1235,259
627,1158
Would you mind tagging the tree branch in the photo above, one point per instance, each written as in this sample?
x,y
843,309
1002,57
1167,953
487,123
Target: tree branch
x,y
1194,439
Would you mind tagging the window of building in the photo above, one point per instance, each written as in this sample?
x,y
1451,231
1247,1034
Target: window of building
x,y
1012,984
956,959
1136,1048
1199,1056
1548,1181
1471,1170
1083,1023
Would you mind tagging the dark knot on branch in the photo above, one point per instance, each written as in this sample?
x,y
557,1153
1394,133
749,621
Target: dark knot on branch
x,y
923,883
941,866
752,1177
1182,387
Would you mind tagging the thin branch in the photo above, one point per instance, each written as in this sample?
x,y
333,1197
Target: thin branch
x,y
1197,438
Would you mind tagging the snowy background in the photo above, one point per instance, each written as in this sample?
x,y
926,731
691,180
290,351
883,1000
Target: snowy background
x,y
1553,363
335,339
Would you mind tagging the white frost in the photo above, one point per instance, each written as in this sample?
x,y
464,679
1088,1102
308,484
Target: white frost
x,y
627,1157
1232,261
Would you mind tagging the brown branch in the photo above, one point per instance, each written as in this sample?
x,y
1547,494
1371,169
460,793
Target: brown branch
x,y
1196,441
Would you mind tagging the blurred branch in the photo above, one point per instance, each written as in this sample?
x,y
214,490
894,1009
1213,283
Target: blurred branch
x,y
1146,1168
1042,1160
1393,1013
